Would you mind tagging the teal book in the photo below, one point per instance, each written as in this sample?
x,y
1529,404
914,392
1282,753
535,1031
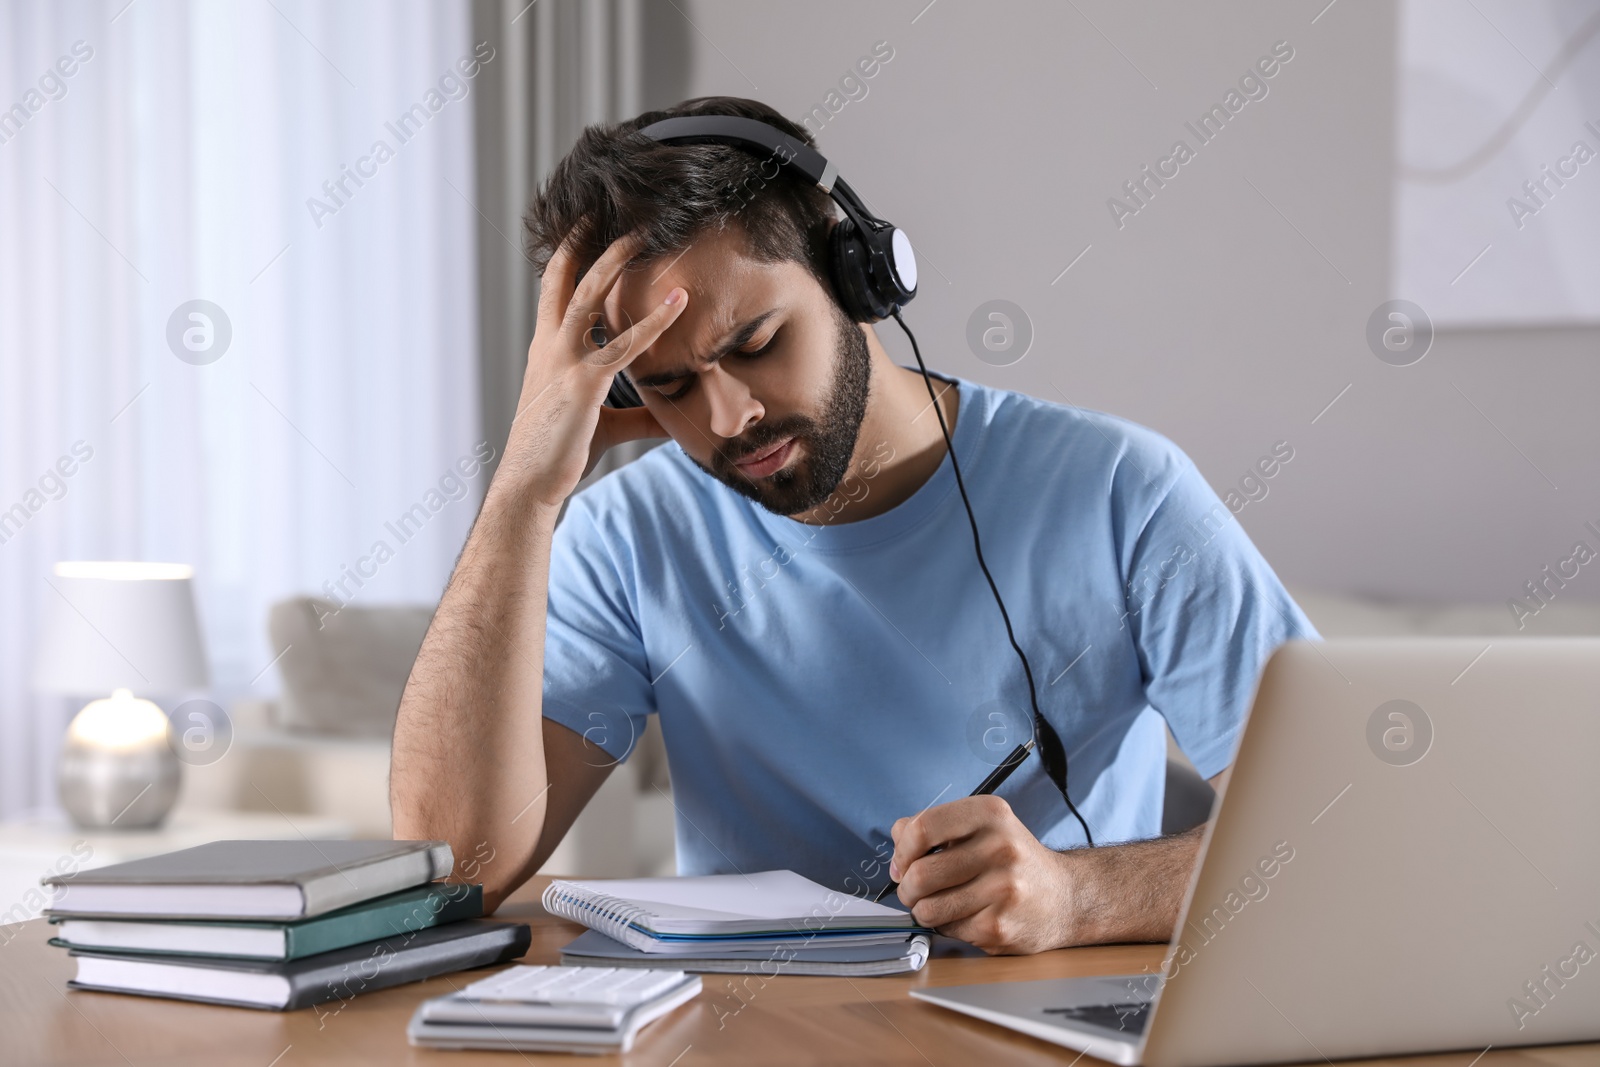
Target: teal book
x,y
409,910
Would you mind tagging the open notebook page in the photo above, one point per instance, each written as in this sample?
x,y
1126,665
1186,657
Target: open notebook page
x,y
731,903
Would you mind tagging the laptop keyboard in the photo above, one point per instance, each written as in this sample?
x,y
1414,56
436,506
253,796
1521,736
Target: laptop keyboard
x,y
1127,1018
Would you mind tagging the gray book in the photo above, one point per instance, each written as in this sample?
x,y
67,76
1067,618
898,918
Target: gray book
x,y
250,879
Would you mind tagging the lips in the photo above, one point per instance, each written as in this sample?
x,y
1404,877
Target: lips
x,y
763,455
766,462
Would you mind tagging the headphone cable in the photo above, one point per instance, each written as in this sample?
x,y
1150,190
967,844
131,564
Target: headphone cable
x,y
1041,725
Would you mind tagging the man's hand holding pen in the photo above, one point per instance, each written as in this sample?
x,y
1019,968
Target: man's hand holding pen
x,y
970,869
993,884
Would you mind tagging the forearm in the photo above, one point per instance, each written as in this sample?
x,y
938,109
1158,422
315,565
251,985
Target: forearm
x,y
1131,892
474,696
470,755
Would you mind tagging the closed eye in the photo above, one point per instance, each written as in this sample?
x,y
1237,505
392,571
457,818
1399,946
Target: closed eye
x,y
689,382
763,349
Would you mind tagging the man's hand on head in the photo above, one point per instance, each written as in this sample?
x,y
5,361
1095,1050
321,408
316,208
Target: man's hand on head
x,y
993,885
562,427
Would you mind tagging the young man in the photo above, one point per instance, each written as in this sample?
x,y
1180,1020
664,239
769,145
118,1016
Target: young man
x,y
791,584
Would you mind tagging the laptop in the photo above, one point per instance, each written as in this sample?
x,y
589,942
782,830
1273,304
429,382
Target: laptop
x,y
1405,859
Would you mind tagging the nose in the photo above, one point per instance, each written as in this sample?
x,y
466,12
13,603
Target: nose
x,y
733,409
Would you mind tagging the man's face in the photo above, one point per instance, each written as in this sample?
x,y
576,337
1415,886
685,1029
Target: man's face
x,y
762,380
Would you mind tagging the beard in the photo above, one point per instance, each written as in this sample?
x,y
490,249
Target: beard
x,y
829,442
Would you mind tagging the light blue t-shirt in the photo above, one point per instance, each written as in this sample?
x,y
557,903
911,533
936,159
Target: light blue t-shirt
x,y
817,682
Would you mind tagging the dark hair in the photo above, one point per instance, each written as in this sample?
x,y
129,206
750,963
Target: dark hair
x,y
614,181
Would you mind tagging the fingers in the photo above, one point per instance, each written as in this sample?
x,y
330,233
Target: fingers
x,y
938,871
590,295
951,905
555,285
910,841
987,927
627,345
940,825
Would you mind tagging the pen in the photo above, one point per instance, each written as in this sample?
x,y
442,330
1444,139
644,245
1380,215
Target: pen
x,y
996,778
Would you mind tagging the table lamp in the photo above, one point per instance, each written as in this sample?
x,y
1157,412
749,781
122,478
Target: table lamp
x,y
120,632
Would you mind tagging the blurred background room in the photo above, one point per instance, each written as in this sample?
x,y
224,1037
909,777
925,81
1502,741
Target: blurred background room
x,y
264,311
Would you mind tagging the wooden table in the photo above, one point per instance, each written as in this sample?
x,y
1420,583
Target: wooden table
x,y
735,1020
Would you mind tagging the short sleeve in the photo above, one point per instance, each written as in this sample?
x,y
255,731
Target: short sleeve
x,y
596,674
1205,610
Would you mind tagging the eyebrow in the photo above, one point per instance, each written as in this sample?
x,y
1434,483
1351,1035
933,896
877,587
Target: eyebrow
x,y
738,339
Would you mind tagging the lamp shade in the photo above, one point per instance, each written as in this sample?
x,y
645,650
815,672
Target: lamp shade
x,y
120,626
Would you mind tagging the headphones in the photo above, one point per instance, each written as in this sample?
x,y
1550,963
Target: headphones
x,y
873,267
874,273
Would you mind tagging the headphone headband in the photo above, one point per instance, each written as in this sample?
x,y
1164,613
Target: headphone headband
x,y
758,137
745,133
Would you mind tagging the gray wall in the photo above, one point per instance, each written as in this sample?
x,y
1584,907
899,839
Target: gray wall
x,y
1232,308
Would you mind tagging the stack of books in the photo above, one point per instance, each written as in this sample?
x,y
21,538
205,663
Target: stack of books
x,y
771,922
276,924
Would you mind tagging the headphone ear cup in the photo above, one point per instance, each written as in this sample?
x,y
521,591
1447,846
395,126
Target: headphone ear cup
x,y
622,394
847,261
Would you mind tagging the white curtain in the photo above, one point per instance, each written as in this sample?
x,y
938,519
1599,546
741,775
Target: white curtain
x,y
205,151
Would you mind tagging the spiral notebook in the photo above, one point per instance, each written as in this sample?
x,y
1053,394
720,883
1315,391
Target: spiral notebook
x,y
823,957
702,915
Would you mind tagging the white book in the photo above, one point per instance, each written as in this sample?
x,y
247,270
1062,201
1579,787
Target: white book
x,y
696,914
